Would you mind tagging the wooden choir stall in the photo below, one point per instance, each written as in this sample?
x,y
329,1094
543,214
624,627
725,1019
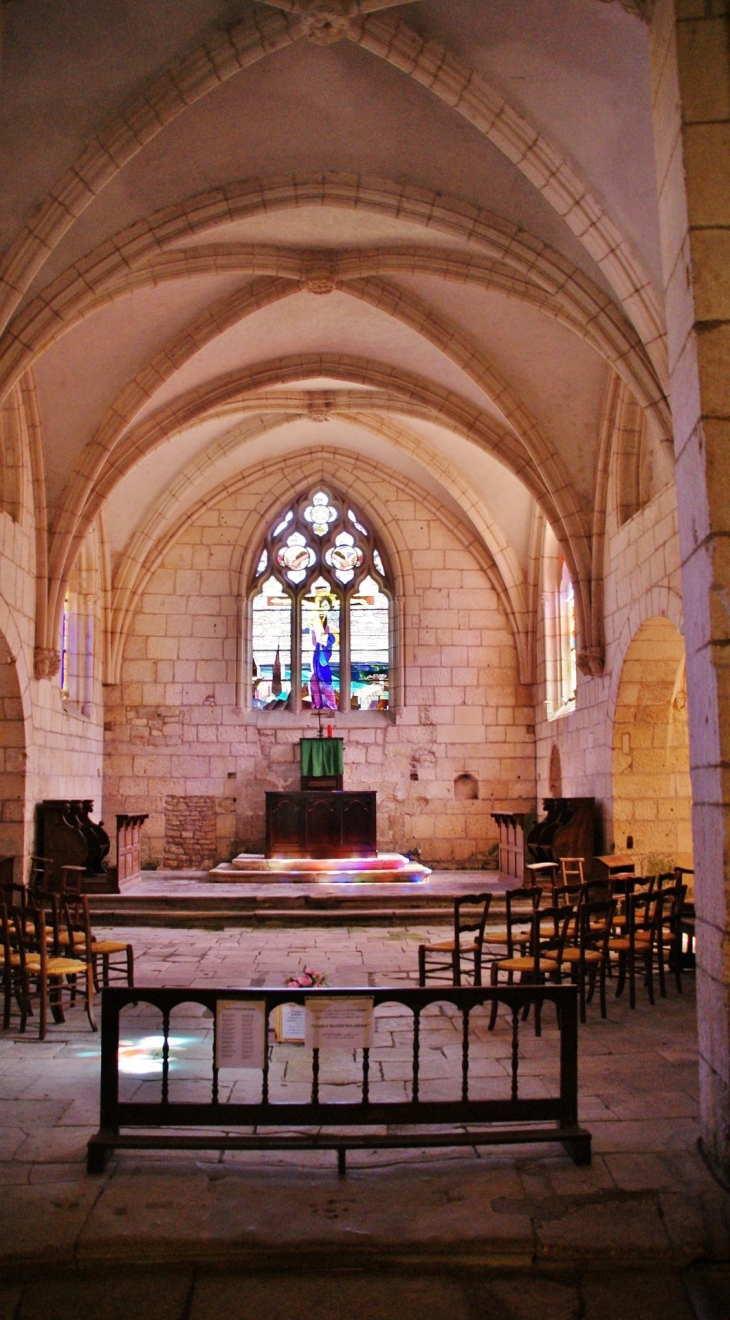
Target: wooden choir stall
x,y
567,830
67,836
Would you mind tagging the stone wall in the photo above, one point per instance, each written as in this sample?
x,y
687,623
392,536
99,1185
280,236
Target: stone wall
x,y
175,726
190,832
47,750
642,582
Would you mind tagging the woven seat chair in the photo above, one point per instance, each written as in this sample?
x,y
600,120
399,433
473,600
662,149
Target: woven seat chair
x,y
445,959
116,956
548,935
38,973
585,953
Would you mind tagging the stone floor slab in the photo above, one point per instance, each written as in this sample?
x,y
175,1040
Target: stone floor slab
x,y
647,1190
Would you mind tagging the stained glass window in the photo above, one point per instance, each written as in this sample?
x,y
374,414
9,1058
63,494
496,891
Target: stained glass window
x,y
567,636
271,669
321,605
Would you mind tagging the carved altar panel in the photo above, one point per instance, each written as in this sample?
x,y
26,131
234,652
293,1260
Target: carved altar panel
x,y
321,824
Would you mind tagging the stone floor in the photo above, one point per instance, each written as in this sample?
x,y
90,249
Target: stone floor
x,y
647,1204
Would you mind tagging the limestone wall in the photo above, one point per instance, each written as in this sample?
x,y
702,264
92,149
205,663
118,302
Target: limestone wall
x,y
642,582
46,748
175,728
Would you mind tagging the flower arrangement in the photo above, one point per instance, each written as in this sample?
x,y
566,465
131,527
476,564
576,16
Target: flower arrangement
x,y
307,979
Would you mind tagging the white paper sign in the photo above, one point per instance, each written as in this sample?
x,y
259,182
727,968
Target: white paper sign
x,y
290,1023
240,1035
338,1023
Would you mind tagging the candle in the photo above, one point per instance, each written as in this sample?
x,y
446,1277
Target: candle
x,y
329,730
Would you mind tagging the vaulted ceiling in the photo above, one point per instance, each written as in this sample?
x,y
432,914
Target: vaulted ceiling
x,y
422,232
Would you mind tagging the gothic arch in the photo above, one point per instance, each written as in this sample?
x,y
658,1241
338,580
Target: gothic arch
x,y
652,796
225,54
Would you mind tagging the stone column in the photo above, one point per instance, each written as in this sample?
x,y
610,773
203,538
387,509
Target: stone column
x,y
690,55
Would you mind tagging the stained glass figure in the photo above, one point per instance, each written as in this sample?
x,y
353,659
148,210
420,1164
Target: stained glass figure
x,y
369,647
321,647
271,670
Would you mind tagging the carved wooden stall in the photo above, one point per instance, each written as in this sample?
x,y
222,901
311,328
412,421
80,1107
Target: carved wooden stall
x,y
129,830
568,830
66,834
512,850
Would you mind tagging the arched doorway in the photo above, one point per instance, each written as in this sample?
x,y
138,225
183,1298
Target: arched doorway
x,y
652,798
12,758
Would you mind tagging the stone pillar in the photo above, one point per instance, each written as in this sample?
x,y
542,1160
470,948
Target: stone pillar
x,y
690,53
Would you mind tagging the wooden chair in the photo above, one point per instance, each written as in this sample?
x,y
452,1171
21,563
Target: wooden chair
x,y
520,904
652,928
40,974
72,880
116,956
41,872
444,959
9,957
597,891
587,955
571,870
563,894
548,935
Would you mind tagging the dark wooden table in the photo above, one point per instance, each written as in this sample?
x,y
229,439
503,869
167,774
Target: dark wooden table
x,y
321,824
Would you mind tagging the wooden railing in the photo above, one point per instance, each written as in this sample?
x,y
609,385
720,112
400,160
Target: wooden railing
x,y
511,1119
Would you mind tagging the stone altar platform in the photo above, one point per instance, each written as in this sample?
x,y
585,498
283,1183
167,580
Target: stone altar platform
x,y
388,868
188,899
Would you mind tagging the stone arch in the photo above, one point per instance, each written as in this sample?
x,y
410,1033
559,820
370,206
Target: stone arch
x,y
228,394
652,797
226,53
660,601
171,508
510,264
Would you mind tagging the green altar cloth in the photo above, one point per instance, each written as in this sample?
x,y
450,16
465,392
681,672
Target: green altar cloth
x,y
321,757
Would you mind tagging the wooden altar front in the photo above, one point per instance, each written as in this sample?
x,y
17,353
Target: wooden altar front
x,y
321,824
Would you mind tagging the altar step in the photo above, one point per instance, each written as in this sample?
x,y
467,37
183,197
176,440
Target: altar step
x,y
115,910
194,902
385,868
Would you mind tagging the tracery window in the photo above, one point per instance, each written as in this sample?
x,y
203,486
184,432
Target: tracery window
x,y
321,611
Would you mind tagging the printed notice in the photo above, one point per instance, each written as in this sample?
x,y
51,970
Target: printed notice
x,y
289,1022
240,1033
338,1023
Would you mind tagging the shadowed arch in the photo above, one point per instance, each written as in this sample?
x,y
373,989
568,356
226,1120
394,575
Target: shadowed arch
x,y
150,546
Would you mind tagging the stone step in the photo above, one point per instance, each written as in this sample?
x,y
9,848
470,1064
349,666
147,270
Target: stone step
x,y
276,911
274,916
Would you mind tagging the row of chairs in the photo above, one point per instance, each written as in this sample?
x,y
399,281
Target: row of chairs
x,y
586,932
49,949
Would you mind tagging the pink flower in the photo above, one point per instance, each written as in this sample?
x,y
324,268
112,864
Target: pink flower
x,y
307,979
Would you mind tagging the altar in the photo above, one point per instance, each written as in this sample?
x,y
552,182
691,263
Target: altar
x,y
317,824
321,831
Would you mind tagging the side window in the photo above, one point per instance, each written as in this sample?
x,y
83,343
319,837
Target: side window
x,y
559,632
